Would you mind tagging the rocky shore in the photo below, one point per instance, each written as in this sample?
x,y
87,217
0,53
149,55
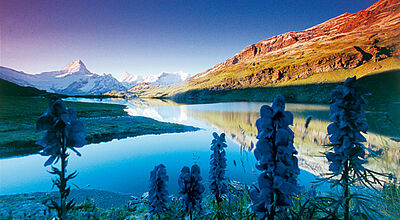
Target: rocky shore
x,y
33,205
90,204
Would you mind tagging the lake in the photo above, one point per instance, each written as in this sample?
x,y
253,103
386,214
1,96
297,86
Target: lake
x,y
124,165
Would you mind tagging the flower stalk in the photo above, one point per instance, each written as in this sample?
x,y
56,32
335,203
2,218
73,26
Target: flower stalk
x,y
158,194
191,189
347,154
218,182
276,160
63,131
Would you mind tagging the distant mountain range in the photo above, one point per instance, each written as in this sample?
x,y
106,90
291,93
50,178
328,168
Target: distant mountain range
x,y
165,79
360,44
76,79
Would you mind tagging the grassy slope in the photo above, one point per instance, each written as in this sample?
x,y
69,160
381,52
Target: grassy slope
x,y
10,89
299,64
295,57
384,88
369,68
312,89
302,60
103,122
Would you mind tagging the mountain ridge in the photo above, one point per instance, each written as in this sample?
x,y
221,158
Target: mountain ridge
x,y
74,79
358,44
333,28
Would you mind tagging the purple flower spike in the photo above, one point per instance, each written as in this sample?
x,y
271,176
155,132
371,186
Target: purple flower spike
x,y
218,182
59,122
158,193
191,188
348,121
276,160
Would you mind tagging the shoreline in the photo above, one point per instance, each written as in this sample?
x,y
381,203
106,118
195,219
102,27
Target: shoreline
x,y
33,204
386,91
103,198
103,123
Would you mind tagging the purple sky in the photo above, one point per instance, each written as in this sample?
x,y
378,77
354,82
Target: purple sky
x,y
146,36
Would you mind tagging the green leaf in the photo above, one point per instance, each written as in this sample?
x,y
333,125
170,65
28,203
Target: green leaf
x,y
72,175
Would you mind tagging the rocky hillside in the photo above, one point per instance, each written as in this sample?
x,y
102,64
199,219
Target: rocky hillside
x,y
363,43
345,42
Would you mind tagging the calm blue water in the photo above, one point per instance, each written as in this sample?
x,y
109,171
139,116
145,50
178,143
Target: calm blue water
x,y
125,165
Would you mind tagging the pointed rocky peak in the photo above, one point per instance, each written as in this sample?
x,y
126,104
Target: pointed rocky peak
x,y
76,66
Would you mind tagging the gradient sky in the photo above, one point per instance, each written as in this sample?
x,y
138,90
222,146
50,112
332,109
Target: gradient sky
x,y
146,36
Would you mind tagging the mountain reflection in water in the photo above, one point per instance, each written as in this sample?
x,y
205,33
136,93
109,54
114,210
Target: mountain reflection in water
x,y
238,119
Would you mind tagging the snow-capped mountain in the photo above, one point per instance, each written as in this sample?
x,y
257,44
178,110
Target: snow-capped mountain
x,y
165,79
73,79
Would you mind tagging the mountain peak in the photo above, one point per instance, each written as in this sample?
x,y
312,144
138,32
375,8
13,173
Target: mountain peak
x,y
76,66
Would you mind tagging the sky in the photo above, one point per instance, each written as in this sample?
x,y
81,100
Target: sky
x,y
146,37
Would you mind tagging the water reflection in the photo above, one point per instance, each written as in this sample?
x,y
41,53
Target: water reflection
x,y
310,142
124,165
237,120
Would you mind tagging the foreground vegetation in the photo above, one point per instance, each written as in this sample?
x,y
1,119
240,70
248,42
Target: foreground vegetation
x,y
238,206
103,122
92,205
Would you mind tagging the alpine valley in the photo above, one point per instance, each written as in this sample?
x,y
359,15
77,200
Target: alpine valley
x,y
271,157
301,65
